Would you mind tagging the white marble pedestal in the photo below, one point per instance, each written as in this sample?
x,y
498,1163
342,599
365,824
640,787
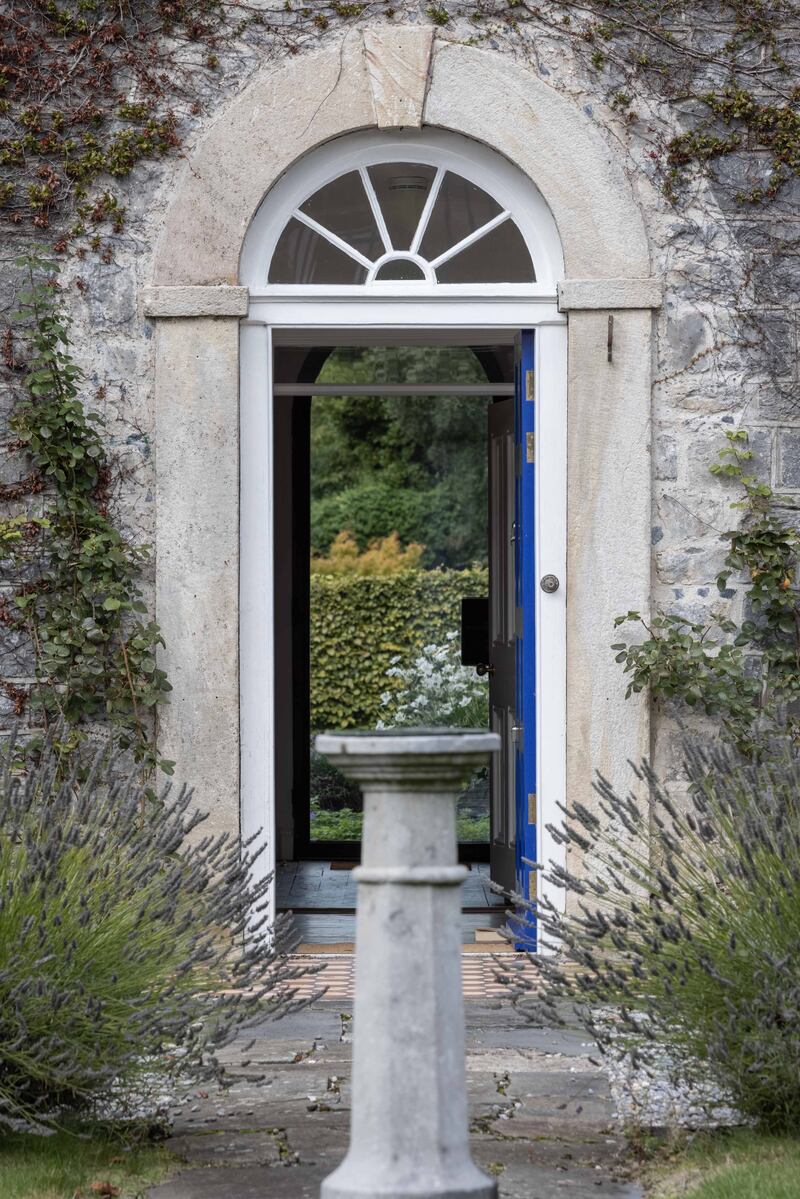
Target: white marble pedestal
x,y
409,1131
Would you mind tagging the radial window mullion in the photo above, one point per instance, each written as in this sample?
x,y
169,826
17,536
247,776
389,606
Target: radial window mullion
x,y
470,239
427,210
334,240
376,209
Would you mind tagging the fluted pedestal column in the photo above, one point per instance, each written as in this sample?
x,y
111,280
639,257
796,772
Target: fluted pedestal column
x,y
409,1130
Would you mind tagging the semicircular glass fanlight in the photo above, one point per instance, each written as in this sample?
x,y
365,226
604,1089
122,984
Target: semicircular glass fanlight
x,y
401,222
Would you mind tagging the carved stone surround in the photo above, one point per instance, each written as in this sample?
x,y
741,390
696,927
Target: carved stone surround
x,y
390,77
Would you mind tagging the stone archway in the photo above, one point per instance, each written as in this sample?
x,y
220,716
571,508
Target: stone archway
x,y
391,77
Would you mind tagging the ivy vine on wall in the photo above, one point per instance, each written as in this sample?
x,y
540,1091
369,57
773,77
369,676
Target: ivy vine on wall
x,y
91,88
745,673
78,601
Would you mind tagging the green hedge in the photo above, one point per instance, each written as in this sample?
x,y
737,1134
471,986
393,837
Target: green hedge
x,y
358,624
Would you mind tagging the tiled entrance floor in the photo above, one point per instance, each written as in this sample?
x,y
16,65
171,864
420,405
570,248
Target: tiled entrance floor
x,y
324,902
482,974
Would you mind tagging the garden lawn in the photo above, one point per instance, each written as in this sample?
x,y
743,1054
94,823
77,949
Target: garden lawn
x,y
346,825
66,1167
730,1165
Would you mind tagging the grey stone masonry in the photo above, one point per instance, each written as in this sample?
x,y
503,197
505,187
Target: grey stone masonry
x,y
726,336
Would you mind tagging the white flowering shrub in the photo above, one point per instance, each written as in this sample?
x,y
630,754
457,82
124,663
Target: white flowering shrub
x,y
436,690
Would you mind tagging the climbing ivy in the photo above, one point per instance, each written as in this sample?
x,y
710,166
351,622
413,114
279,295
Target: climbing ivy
x,y
745,672
78,604
91,88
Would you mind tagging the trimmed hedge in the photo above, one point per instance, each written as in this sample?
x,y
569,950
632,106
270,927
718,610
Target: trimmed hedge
x,y
359,624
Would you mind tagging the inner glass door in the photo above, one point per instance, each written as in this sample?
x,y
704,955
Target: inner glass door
x,y
391,524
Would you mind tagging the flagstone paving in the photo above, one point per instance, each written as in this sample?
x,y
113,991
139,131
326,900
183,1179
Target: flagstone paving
x,y
541,1114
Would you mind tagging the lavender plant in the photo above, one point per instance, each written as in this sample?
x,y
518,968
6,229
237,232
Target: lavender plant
x,y
683,950
132,949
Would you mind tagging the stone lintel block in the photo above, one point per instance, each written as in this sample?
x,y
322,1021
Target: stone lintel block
x,y
215,300
398,63
609,293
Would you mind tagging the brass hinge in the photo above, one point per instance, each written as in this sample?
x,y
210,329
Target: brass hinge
x,y
531,807
530,447
529,385
533,878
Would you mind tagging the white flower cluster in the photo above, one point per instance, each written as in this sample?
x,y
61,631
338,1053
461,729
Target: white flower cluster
x,y
435,689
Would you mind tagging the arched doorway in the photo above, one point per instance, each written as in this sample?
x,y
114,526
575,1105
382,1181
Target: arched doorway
x,y
214,325
419,240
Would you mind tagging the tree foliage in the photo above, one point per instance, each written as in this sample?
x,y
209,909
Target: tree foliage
x,y
411,465
384,556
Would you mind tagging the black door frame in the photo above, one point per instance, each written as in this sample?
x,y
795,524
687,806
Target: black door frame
x,y
304,849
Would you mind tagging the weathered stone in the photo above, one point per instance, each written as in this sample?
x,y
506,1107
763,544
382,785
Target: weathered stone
x,y
532,133
665,455
687,335
780,404
216,300
527,1129
608,563
111,298
398,61
609,294
702,454
778,344
789,447
17,659
197,559
775,276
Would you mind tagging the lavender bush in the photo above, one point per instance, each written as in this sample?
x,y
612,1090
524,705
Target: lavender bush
x,y
131,948
685,950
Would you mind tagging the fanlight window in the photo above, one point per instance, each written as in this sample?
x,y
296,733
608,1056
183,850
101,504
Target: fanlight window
x,y
401,222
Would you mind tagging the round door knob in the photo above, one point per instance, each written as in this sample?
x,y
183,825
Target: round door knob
x,y
549,583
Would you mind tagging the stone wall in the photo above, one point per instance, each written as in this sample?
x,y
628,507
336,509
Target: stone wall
x,y
726,336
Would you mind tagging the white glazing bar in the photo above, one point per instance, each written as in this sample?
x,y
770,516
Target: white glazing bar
x,y
339,242
376,209
393,389
470,239
427,210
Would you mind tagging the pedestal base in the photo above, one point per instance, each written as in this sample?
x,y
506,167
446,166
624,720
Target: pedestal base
x,y
355,1180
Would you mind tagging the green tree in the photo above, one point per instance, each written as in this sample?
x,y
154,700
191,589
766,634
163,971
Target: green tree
x,y
415,465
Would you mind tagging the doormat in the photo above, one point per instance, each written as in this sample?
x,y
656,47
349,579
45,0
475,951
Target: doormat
x,y
479,974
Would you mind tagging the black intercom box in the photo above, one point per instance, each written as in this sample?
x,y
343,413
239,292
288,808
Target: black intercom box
x,y
474,630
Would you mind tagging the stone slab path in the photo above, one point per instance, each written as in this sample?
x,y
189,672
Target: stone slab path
x,y
541,1115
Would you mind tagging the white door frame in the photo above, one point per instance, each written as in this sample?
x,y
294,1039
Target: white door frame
x,y
270,314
